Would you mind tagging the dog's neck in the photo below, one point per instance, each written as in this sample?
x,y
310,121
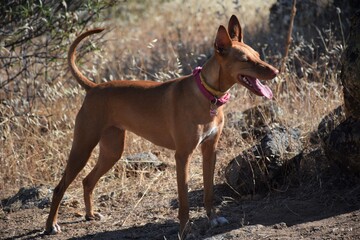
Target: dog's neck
x,y
214,77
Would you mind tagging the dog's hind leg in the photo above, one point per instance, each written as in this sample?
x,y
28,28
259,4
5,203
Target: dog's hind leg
x,y
85,139
111,148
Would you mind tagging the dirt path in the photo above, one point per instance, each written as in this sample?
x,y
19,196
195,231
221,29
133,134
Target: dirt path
x,y
295,214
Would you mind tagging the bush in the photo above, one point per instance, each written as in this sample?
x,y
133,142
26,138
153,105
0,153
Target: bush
x,y
35,35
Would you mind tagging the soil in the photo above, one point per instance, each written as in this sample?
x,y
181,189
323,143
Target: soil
x,y
145,207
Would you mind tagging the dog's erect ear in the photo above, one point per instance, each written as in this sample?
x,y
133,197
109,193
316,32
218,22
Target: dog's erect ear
x,y
234,29
222,41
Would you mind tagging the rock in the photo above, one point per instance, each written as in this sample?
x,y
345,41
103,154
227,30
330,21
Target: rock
x,y
329,123
254,122
143,163
27,198
262,167
279,226
244,174
278,146
343,145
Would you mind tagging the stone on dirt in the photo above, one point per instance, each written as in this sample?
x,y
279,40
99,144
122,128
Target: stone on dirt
x,y
263,167
28,197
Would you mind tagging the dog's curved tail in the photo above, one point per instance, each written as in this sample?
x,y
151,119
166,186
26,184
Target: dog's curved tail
x,y
80,78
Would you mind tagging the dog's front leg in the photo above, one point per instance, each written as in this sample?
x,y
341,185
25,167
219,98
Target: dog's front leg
x,y
209,159
182,176
208,149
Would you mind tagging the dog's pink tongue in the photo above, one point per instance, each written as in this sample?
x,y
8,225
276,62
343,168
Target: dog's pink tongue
x,y
262,89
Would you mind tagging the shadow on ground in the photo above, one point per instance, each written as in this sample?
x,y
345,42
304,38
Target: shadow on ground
x,y
287,209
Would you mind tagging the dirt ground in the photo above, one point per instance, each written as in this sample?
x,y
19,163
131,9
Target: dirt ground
x,y
146,208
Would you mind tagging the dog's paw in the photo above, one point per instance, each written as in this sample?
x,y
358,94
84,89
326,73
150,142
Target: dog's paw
x,y
55,229
95,216
218,221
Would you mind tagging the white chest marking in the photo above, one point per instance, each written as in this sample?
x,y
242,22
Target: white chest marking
x,y
208,134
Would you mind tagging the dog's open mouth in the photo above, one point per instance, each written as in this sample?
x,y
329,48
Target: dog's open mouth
x,y
254,85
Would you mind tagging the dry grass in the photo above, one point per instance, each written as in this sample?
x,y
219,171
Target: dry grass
x,y
157,43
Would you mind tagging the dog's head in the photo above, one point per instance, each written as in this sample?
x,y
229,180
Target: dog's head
x,y
239,62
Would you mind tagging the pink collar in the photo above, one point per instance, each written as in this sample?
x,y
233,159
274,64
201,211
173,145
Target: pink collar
x,y
213,99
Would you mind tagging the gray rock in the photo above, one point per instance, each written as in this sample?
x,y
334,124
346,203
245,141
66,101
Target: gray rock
x,y
254,122
28,198
278,146
143,163
264,166
330,122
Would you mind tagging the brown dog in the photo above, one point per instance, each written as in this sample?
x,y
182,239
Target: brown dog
x,y
179,114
